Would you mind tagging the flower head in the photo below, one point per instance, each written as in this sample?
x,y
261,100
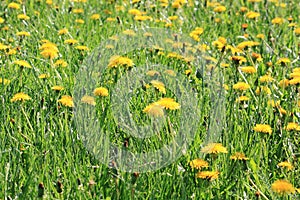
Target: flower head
x,y
88,100
286,165
22,63
198,163
214,148
263,128
101,91
66,100
209,175
283,187
20,97
238,156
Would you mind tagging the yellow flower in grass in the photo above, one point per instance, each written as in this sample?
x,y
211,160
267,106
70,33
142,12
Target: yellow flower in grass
x,y
23,33
283,61
1,20
286,165
61,63
169,104
66,100
20,97
22,63
23,17
245,44
3,47
196,33
101,91
154,110
82,48
160,86
266,79
283,187
95,17
260,36
129,32
57,88
263,128
78,10
44,76
214,148
71,41
238,59
292,126
220,9
49,53
79,21
63,31
238,156
284,83
209,175
242,99
252,15
135,12
4,81
198,164
88,100
277,20
14,5
142,18
116,61
263,90
152,73
294,81
248,70
297,31
242,86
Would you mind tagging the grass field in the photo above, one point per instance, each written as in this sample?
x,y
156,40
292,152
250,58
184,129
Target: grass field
x,y
225,77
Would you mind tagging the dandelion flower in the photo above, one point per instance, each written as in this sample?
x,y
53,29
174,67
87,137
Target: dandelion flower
x,y
152,73
266,79
263,128
283,187
23,17
283,61
14,5
220,9
263,90
4,81
23,33
277,20
248,70
101,91
43,76
169,103
214,148
116,61
71,41
63,31
95,17
238,156
22,63
20,97
66,100
242,86
82,48
252,15
57,88
198,164
292,126
88,100
154,110
242,99
61,63
286,165
209,175
160,86
297,31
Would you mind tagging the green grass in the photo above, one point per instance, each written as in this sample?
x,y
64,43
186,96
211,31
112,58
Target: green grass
x,y
42,153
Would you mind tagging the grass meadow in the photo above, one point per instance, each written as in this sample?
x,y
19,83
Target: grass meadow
x,y
244,52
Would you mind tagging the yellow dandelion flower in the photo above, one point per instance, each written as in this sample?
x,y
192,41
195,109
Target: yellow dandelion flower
x,y
214,148
284,83
152,73
238,156
49,53
292,126
248,69
209,175
101,91
78,10
245,44
286,165
23,17
63,31
252,15
283,187
61,63
110,19
1,20
116,61
220,9
88,100
71,41
154,110
134,12
169,104
294,81
263,89
79,21
242,86
57,88
266,79
82,48
198,164
43,76
4,81
95,16
20,97
262,128
66,100
142,18
283,61
238,59
159,86
242,99
22,63
14,5
129,32
277,20
23,33
297,31
260,36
